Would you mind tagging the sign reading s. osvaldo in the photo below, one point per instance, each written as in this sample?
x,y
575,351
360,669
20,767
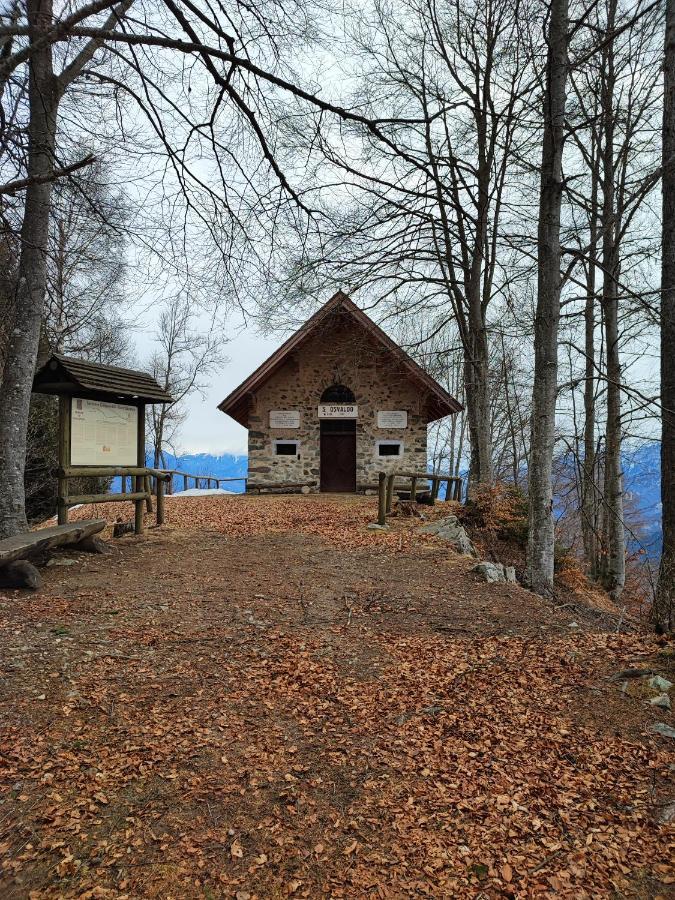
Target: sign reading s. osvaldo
x,y
103,433
284,418
392,418
338,411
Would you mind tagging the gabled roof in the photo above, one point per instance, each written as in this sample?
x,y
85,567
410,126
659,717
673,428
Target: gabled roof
x,y
65,375
440,402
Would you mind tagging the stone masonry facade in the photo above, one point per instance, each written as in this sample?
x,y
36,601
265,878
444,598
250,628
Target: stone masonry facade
x,y
339,352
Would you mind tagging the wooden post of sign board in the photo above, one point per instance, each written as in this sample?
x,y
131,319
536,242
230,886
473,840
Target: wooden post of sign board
x,y
140,461
65,403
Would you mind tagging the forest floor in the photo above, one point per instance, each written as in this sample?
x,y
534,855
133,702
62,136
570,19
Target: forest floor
x,y
264,699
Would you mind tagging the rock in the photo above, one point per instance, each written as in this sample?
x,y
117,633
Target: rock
x,y
632,673
121,528
666,813
93,544
449,529
663,729
660,684
375,526
493,573
61,562
510,573
662,701
573,625
305,489
20,574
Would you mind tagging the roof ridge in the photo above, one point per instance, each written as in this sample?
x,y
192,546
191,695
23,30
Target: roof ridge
x,y
99,365
266,369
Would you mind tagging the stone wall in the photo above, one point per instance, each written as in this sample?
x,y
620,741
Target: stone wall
x,y
339,353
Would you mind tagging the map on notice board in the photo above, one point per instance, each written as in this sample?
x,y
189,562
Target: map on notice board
x,y
103,433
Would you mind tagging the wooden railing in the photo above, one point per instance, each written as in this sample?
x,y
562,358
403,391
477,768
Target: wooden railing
x,y
198,480
140,496
385,489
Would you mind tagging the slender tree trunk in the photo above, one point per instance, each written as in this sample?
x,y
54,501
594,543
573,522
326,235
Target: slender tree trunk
x,y
540,539
476,381
614,574
17,376
589,495
663,611
614,569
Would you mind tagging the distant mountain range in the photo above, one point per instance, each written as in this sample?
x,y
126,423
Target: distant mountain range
x,y
642,483
227,465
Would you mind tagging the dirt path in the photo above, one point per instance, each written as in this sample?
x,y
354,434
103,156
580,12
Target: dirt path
x,y
264,699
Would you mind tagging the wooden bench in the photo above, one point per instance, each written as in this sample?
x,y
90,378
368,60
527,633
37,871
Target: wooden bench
x,y
16,551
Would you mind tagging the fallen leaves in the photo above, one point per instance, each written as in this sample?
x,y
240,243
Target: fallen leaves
x,y
204,754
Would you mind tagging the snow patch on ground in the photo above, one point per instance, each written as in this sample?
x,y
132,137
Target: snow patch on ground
x,y
201,492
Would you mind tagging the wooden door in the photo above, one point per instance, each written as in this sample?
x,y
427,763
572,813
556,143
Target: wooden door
x,y
338,456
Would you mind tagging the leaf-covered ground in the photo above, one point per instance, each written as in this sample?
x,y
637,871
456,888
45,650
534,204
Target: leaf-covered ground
x,y
264,699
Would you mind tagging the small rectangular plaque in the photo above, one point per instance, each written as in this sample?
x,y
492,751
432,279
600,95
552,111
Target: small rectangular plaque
x,y
284,418
392,418
338,411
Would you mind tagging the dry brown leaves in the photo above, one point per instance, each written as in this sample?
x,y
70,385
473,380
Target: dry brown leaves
x,y
341,521
154,747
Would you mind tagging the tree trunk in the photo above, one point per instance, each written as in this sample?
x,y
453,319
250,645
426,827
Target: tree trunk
x,y
540,539
17,377
663,611
589,487
476,381
614,575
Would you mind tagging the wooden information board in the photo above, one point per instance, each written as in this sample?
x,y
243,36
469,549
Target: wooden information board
x,y
103,433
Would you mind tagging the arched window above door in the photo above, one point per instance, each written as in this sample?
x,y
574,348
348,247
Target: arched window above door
x,y
338,393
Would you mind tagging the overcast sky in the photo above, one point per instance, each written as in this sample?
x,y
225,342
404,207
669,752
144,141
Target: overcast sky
x,y
207,429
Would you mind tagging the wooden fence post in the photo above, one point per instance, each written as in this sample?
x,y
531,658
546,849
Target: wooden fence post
x,y
147,486
160,501
413,489
390,492
382,499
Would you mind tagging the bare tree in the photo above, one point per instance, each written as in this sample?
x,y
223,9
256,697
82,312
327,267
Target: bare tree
x,y
96,41
424,231
540,542
188,352
86,268
663,612
615,98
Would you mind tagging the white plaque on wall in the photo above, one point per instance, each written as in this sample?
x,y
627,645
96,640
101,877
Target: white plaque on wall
x,y
284,418
338,411
392,418
103,433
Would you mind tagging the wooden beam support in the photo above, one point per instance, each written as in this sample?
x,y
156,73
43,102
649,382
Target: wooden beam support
x,y
108,472
382,499
390,492
140,459
65,403
160,502
82,499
